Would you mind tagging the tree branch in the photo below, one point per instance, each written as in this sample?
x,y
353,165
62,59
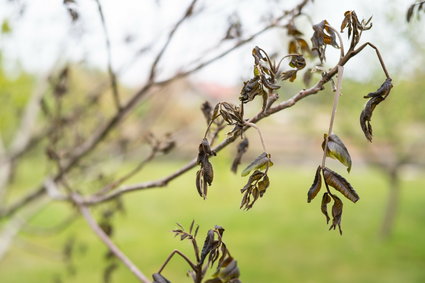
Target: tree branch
x,y
158,57
112,75
112,247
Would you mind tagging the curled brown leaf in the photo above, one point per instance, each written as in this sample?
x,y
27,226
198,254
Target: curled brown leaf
x,y
324,207
336,214
375,98
338,182
323,35
315,187
205,175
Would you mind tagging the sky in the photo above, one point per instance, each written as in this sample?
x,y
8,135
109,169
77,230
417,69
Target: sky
x,y
43,36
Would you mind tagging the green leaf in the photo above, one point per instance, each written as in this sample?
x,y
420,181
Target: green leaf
x,y
337,150
261,162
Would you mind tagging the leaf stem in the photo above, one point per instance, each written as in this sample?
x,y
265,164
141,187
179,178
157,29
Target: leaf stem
x,y
192,265
335,106
381,61
259,133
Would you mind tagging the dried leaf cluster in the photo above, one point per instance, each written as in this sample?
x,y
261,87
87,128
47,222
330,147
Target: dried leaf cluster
x,y
258,182
205,175
337,182
266,80
354,26
323,35
213,251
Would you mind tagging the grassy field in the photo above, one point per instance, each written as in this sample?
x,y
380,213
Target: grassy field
x,y
282,239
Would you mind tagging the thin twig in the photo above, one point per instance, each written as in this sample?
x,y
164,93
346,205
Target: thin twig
x,y
112,75
381,61
127,176
51,230
334,108
112,247
192,265
259,133
158,57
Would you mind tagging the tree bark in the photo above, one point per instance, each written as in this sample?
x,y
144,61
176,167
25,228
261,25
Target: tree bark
x,y
392,204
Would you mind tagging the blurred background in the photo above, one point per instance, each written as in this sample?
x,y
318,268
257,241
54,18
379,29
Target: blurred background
x,y
58,57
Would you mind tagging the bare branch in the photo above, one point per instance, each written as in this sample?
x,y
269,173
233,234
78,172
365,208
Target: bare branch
x,y
12,228
158,57
130,174
112,75
112,247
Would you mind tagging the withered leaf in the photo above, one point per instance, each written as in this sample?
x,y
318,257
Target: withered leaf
x,y
228,270
355,27
337,150
383,91
323,35
204,151
208,172
375,98
205,175
261,162
324,207
336,214
207,110
256,187
315,187
298,46
420,5
297,62
158,278
242,148
338,182
292,47
208,245
291,75
251,89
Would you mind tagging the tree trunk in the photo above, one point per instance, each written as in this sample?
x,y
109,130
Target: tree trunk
x,y
392,203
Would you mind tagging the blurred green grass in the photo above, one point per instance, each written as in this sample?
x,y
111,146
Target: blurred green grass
x,y
282,239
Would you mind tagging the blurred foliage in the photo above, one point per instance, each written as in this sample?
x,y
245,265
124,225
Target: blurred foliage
x,y
285,236
14,94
